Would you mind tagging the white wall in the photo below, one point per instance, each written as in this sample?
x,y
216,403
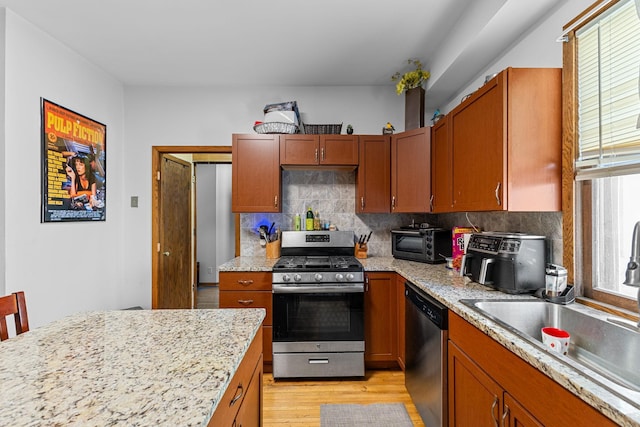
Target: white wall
x,y
62,267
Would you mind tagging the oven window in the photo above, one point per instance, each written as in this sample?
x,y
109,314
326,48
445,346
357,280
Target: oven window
x,y
318,317
412,244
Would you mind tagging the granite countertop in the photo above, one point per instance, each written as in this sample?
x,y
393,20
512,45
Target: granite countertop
x,y
449,288
131,367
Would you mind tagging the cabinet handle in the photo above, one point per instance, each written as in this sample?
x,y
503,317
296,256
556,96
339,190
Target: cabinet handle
x,y
245,301
316,155
322,153
245,282
498,193
240,389
393,202
275,201
493,411
362,203
431,202
505,416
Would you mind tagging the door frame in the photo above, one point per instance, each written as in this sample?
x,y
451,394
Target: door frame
x,y
157,152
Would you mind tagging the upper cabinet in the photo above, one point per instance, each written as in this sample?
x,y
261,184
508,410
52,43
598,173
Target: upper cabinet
x,y
255,173
411,171
322,150
373,193
441,164
506,144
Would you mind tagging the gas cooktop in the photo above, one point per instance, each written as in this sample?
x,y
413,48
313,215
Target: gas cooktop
x,y
317,263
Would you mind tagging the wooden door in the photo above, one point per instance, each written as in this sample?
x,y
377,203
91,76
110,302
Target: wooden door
x,y
515,415
380,318
474,398
339,150
441,168
479,149
256,173
299,149
374,175
175,288
411,171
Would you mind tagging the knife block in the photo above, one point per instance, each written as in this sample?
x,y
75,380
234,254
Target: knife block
x,y
361,250
273,250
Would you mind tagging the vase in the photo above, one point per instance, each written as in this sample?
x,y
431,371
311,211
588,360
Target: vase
x,y
414,108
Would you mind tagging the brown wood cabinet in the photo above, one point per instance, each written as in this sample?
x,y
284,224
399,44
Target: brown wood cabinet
x,y
506,142
489,385
250,290
400,304
411,171
380,319
255,173
441,167
322,150
241,403
373,193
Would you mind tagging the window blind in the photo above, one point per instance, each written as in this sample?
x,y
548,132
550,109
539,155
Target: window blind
x,y
608,66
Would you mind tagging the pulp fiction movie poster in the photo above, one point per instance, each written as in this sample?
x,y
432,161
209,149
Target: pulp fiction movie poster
x,y
74,181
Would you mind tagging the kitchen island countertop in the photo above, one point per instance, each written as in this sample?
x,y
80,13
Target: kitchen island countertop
x,y
129,367
449,288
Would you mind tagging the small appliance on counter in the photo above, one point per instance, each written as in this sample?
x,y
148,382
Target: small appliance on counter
x,y
509,262
429,244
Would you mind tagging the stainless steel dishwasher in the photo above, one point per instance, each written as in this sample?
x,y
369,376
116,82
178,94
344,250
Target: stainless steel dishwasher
x,y
426,355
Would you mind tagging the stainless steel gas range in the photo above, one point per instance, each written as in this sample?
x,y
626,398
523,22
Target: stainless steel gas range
x,y
318,306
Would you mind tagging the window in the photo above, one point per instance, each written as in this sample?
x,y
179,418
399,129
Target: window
x,y
605,87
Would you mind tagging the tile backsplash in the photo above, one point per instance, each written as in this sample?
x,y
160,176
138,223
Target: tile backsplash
x,y
333,194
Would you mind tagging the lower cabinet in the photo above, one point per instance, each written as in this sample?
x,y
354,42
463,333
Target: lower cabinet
x,y
241,289
400,304
380,320
241,404
490,386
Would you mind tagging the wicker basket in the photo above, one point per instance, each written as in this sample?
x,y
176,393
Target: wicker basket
x,y
323,129
275,127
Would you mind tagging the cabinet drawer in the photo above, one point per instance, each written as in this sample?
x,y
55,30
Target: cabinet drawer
x,y
244,281
244,299
234,395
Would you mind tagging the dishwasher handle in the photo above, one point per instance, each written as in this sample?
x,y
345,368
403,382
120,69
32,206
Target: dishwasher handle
x,y
435,311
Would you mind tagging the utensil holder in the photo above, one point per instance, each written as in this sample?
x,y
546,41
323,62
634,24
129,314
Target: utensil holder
x,y
273,249
361,250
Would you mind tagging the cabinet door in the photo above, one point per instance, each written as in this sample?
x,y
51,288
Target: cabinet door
x,y
250,413
298,149
474,398
411,171
515,415
374,175
479,148
339,150
441,168
255,173
380,318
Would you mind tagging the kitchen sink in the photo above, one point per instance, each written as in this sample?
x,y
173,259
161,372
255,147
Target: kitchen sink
x,y
603,347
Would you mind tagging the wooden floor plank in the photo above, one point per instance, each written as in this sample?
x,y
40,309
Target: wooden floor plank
x,y
297,402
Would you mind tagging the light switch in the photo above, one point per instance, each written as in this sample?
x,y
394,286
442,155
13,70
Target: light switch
x,y
134,201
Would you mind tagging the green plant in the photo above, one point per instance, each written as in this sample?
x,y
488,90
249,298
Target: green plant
x,y
410,79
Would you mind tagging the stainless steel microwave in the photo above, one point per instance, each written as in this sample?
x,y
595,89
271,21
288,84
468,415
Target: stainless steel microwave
x,y
430,245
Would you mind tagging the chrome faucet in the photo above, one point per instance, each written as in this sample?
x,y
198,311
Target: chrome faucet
x,y
633,267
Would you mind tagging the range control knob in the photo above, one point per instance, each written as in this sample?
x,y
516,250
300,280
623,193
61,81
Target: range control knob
x,y
339,277
318,277
285,278
297,277
349,277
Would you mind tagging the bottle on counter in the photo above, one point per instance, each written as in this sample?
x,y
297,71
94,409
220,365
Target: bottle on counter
x,y
297,222
316,221
309,220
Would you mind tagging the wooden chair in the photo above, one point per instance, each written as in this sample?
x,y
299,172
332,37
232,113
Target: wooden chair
x,y
13,304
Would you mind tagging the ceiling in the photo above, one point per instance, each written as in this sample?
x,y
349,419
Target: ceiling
x,y
286,42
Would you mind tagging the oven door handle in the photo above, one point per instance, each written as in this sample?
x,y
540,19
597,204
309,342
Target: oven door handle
x,y
338,289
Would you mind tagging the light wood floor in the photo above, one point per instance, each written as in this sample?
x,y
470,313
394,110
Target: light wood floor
x,y
297,403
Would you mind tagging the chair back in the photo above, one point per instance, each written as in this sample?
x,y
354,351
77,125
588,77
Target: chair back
x,y
15,305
